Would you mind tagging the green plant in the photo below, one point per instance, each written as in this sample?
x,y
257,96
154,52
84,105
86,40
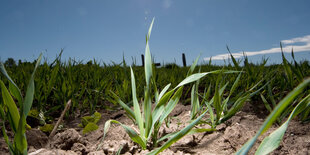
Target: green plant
x,y
47,128
89,123
150,119
272,141
224,104
9,111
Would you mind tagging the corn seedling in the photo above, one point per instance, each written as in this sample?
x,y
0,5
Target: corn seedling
x,y
9,111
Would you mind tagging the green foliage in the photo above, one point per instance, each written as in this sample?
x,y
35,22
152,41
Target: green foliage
x,y
89,123
9,110
149,119
273,140
47,128
225,103
60,81
90,127
34,113
108,86
35,118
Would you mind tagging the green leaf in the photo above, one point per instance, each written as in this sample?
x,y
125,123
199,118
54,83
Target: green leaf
x,y
137,111
15,93
212,116
192,78
90,127
155,117
123,105
193,66
12,108
148,59
20,140
52,80
192,131
266,103
150,29
162,93
5,136
217,98
233,59
15,90
132,133
273,141
171,104
97,117
235,108
195,105
165,98
197,76
30,89
235,85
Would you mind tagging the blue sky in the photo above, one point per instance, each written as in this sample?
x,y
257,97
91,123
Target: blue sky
x,y
106,29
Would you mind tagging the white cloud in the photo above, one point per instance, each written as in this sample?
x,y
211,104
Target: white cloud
x,y
287,47
305,39
167,4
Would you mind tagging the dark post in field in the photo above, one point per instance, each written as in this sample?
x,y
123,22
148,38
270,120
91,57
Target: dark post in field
x,y
142,58
157,64
184,60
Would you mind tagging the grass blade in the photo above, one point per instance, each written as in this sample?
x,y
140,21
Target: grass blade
x,y
164,91
132,133
148,59
136,106
273,141
16,91
274,115
171,104
123,105
193,66
30,89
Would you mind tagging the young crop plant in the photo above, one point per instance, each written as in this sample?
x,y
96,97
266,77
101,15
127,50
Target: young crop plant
x,y
224,104
272,141
148,119
9,111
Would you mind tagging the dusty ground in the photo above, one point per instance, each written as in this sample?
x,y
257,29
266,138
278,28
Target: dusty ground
x,y
228,138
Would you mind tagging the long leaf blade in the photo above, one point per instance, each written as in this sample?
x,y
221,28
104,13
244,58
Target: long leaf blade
x,y
273,141
14,86
12,108
30,89
136,106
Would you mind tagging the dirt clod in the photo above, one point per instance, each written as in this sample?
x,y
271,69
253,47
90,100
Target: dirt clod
x,y
36,138
66,140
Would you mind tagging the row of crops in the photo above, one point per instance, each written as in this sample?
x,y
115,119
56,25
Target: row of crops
x,y
93,86
220,91
90,85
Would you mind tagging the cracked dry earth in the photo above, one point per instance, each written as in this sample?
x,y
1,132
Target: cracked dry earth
x,y
228,138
